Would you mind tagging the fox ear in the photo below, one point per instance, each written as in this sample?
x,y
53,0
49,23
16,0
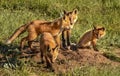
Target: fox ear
x,y
103,28
75,11
64,12
56,48
94,27
64,17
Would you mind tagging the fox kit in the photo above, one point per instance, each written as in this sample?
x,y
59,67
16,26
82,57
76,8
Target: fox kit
x,y
91,37
67,32
37,27
49,49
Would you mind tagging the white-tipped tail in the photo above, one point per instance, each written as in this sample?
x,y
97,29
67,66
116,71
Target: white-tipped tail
x,y
8,42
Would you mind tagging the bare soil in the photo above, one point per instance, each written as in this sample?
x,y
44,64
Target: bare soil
x,y
67,59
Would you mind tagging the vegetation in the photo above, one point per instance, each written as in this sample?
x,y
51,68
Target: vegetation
x,y
95,71
14,13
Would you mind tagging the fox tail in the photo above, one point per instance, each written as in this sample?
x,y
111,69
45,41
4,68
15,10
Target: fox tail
x,y
17,32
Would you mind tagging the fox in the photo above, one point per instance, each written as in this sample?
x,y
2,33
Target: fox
x,y
48,48
91,37
37,27
66,33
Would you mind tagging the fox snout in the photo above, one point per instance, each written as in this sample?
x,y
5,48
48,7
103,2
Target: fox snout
x,y
71,23
67,28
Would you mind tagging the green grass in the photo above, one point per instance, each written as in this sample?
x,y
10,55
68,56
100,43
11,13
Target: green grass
x,y
111,56
14,13
95,71
103,12
81,71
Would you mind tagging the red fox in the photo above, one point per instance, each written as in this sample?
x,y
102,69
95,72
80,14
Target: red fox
x,y
67,32
37,27
90,38
48,48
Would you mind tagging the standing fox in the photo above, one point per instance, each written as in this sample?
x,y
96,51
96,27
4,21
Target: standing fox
x,y
49,49
67,32
37,27
91,37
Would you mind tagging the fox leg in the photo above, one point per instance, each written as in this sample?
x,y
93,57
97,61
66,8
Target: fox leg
x,y
63,39
42,56
68,38
48,62
94,45
30,44
31,47
31,37
23,40
58,41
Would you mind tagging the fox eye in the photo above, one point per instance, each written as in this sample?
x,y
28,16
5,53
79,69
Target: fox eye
x,y
64,17
49,50
57,49
103,28
53,49
70,19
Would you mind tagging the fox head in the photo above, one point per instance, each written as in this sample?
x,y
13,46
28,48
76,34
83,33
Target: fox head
x,y
70,18
53,53
99,31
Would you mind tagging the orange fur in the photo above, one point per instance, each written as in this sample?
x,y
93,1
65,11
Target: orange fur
x,y
67,32
49,49
91,37
37,27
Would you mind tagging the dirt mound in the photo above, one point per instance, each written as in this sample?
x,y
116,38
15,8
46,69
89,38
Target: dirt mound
x,y
68,60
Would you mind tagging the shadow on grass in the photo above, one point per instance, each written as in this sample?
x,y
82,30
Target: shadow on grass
x,y
9,50
10,56
111,56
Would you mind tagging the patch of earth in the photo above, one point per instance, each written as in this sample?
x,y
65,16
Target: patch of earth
x,y
68,59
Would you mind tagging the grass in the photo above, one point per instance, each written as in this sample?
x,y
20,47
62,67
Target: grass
x,y
111,56
102,12
95,71
82,71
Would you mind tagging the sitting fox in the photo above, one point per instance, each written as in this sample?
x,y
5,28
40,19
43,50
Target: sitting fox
x,y
48,48
90,38
38,27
